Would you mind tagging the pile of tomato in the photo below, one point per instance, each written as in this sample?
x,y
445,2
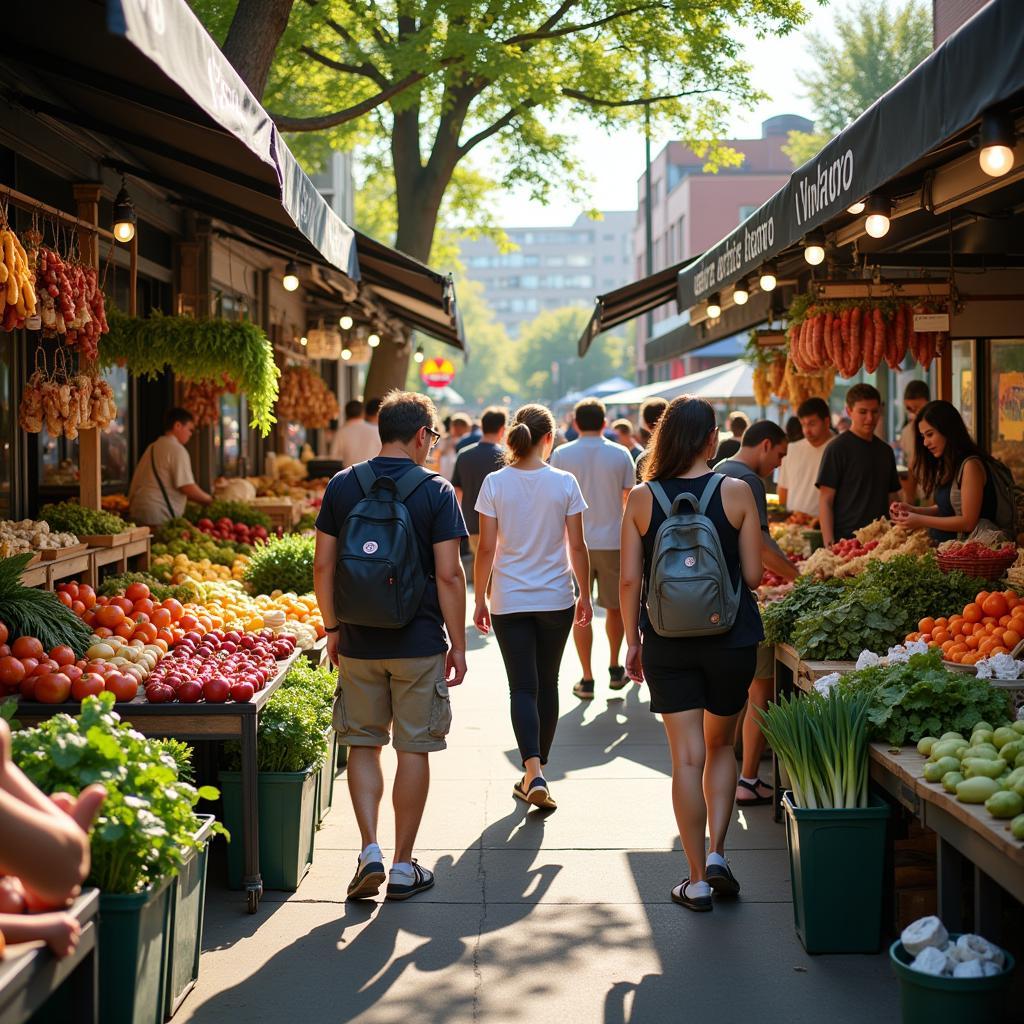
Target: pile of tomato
x,y
993,623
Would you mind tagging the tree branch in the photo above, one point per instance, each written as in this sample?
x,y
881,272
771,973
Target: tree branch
x,y
366,70
543,33
319,122
503,122
597,101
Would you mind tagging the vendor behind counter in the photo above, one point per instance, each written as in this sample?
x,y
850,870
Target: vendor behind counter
x,y
163,482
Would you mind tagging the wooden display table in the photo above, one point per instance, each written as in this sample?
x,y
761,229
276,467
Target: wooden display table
x,y
967,832
85,565
30,973
191,723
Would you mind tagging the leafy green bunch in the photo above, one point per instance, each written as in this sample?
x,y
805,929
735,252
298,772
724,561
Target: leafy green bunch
x,y
28,611
807,595
318,680
70,517
197,350
920,697
291,735
283,563
118,584
148,821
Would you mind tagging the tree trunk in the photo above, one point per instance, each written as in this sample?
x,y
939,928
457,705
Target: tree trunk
x,y
255,31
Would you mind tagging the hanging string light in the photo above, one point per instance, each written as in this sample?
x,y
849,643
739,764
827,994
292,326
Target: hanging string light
x,y
125,217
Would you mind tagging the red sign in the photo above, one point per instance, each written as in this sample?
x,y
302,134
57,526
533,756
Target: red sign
x,y
437,373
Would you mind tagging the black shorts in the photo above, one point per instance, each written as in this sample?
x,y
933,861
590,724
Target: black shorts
x,y
683,675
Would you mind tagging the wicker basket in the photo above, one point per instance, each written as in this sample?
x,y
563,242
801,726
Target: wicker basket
x,y
985,568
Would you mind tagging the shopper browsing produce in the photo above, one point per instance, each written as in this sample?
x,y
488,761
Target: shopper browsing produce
x,y
915,397
964,479
163,482
799,472
857,481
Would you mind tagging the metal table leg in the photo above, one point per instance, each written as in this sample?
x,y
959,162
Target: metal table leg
x,y
950,871
251,814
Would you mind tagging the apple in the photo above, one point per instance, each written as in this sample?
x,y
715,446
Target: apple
x,y
216,690
190,691
242,692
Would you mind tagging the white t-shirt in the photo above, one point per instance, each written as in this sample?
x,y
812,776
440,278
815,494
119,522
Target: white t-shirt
x,y
169,458
798,473
356,441
531,564
604,470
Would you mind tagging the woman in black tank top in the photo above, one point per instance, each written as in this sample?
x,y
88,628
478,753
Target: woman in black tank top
x,y
698,685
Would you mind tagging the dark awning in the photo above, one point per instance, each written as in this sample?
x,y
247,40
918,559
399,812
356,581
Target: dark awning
x,y
629,301
147,77
686,337
980,66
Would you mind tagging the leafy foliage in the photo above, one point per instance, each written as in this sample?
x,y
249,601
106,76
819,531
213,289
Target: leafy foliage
x,y
70,517
291,733
920,698
807,595
284,563
114,585
318,680
147,821
197,350
28,611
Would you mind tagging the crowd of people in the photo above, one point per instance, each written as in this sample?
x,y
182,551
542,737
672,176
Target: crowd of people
x,y
553,525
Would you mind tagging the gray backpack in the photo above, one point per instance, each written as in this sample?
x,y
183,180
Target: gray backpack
x,y
690,592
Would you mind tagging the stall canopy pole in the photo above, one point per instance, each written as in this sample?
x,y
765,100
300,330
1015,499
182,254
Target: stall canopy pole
x,y
87,198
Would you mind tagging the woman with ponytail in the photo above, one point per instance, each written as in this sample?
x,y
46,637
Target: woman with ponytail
x,y
527,510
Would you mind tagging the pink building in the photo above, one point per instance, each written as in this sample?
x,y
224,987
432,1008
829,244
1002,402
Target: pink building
x,y
949,15
692,210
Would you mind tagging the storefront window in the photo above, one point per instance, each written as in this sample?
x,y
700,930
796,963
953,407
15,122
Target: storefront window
x,y
964,382
1007,432
229,435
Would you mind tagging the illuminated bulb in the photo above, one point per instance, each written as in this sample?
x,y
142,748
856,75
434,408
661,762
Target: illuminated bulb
x,y
345,322
714,306
879,210
768,280
373,340
303,340
856,208
996,160
814,248
740,295
346,354
996,140
124,216
418,356
291,277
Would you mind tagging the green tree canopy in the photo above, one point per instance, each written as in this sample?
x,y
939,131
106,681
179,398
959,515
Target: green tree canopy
x,y
875,46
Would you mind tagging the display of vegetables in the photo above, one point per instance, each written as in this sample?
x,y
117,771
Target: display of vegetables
x,y
879,540
285,563
823,743
28,612
113,586
146,825
70,517
181,570
304,397
226,529
989,624
235,511
939,954
17,282
31,535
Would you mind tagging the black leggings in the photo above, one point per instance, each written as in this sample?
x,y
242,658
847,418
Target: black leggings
x,y
531,646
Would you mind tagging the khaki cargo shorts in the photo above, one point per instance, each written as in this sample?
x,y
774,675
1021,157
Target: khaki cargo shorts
x,y
404,696
604,570
765,668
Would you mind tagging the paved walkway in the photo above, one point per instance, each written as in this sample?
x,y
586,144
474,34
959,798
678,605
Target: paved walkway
x,y
562,919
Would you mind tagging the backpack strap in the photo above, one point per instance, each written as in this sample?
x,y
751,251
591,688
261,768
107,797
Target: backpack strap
x,y
709,492
661,497
410,480
365,475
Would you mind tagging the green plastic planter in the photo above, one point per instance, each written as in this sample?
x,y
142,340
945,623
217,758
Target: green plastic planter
x,y
325,781
287,802
837,866
133,937
925,999
188,901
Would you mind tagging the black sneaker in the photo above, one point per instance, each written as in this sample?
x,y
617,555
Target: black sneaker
x,y
366,882
699,903
420,881
617,677
584,689
722,880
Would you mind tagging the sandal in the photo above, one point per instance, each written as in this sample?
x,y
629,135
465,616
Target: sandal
x,y
699,903
752,787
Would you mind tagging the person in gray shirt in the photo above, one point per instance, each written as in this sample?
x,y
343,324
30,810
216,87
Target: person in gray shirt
x,y
762,450
606,474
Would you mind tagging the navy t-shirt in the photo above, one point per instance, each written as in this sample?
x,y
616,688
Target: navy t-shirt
x,y
436,517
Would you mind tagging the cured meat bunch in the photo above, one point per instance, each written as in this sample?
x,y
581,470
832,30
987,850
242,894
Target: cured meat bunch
x,y
65,406
304,398
202,399
71,302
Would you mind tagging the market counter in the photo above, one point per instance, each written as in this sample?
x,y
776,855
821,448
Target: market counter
x,y
192,723
967,832
85,565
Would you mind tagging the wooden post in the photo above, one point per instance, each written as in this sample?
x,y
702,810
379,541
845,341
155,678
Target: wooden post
x,y
90,476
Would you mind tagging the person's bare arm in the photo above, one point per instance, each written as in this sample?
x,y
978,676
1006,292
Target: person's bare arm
x,y
325,555
783,493
631,577
451,595
741,510
458,496
483,563
579,559
972,495
773,559
826,514
195,493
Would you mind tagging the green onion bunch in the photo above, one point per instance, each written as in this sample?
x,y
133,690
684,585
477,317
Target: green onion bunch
x,y
823,743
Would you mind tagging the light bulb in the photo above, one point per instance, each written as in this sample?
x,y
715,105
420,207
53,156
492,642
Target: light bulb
x,y
714,306
768,279
303,340
124,216
290,281
996,160
814,248
346,354
345,322
740,295
418,355
996,141
373,340
879,211
856,208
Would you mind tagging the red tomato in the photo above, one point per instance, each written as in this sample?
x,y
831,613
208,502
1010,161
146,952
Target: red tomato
x,y
27,647
123,603
90,685
46,666
78,608
123,687
4,633
190,691
30,665
70,588
87,595
54,688
73,672
65,598
174,607
136,591
5,651
63,655
12,672
27,687
242,692
216,691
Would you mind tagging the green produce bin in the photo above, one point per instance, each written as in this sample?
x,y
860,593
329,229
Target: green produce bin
x,y
325,781
287,802
837,864
188,902
133,938
925,999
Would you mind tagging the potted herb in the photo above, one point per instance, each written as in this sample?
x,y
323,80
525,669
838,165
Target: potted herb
x,y
835,830
319,682
291,750
146,829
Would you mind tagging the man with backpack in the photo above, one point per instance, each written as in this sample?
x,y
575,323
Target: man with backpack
x,y
761,452
392,592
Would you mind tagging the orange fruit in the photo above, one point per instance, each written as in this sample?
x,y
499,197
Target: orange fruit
x,y
972,642
995,604
980,597
926,625
972,613
1011,638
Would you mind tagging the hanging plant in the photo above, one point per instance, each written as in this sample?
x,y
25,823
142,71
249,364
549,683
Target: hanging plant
x,y
198,350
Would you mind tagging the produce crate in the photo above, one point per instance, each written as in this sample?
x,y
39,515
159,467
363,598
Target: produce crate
x,y
52,554
282,512
107,540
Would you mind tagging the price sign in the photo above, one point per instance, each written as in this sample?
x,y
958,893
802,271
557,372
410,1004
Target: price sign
x,y
437,373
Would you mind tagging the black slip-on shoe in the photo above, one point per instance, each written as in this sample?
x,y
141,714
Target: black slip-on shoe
x,y
584,689
422,879
367,881
617,679
701,904
722,881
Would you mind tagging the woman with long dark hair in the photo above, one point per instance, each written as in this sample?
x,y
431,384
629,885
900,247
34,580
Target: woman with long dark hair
x,y
949,465
527,512
698,685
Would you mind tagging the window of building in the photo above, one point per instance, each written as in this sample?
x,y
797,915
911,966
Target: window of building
x,y
1007,403
608,258
554,261
579,259
608,238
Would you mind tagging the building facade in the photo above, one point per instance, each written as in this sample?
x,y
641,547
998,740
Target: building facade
x,y
949,15
552,267
691,209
